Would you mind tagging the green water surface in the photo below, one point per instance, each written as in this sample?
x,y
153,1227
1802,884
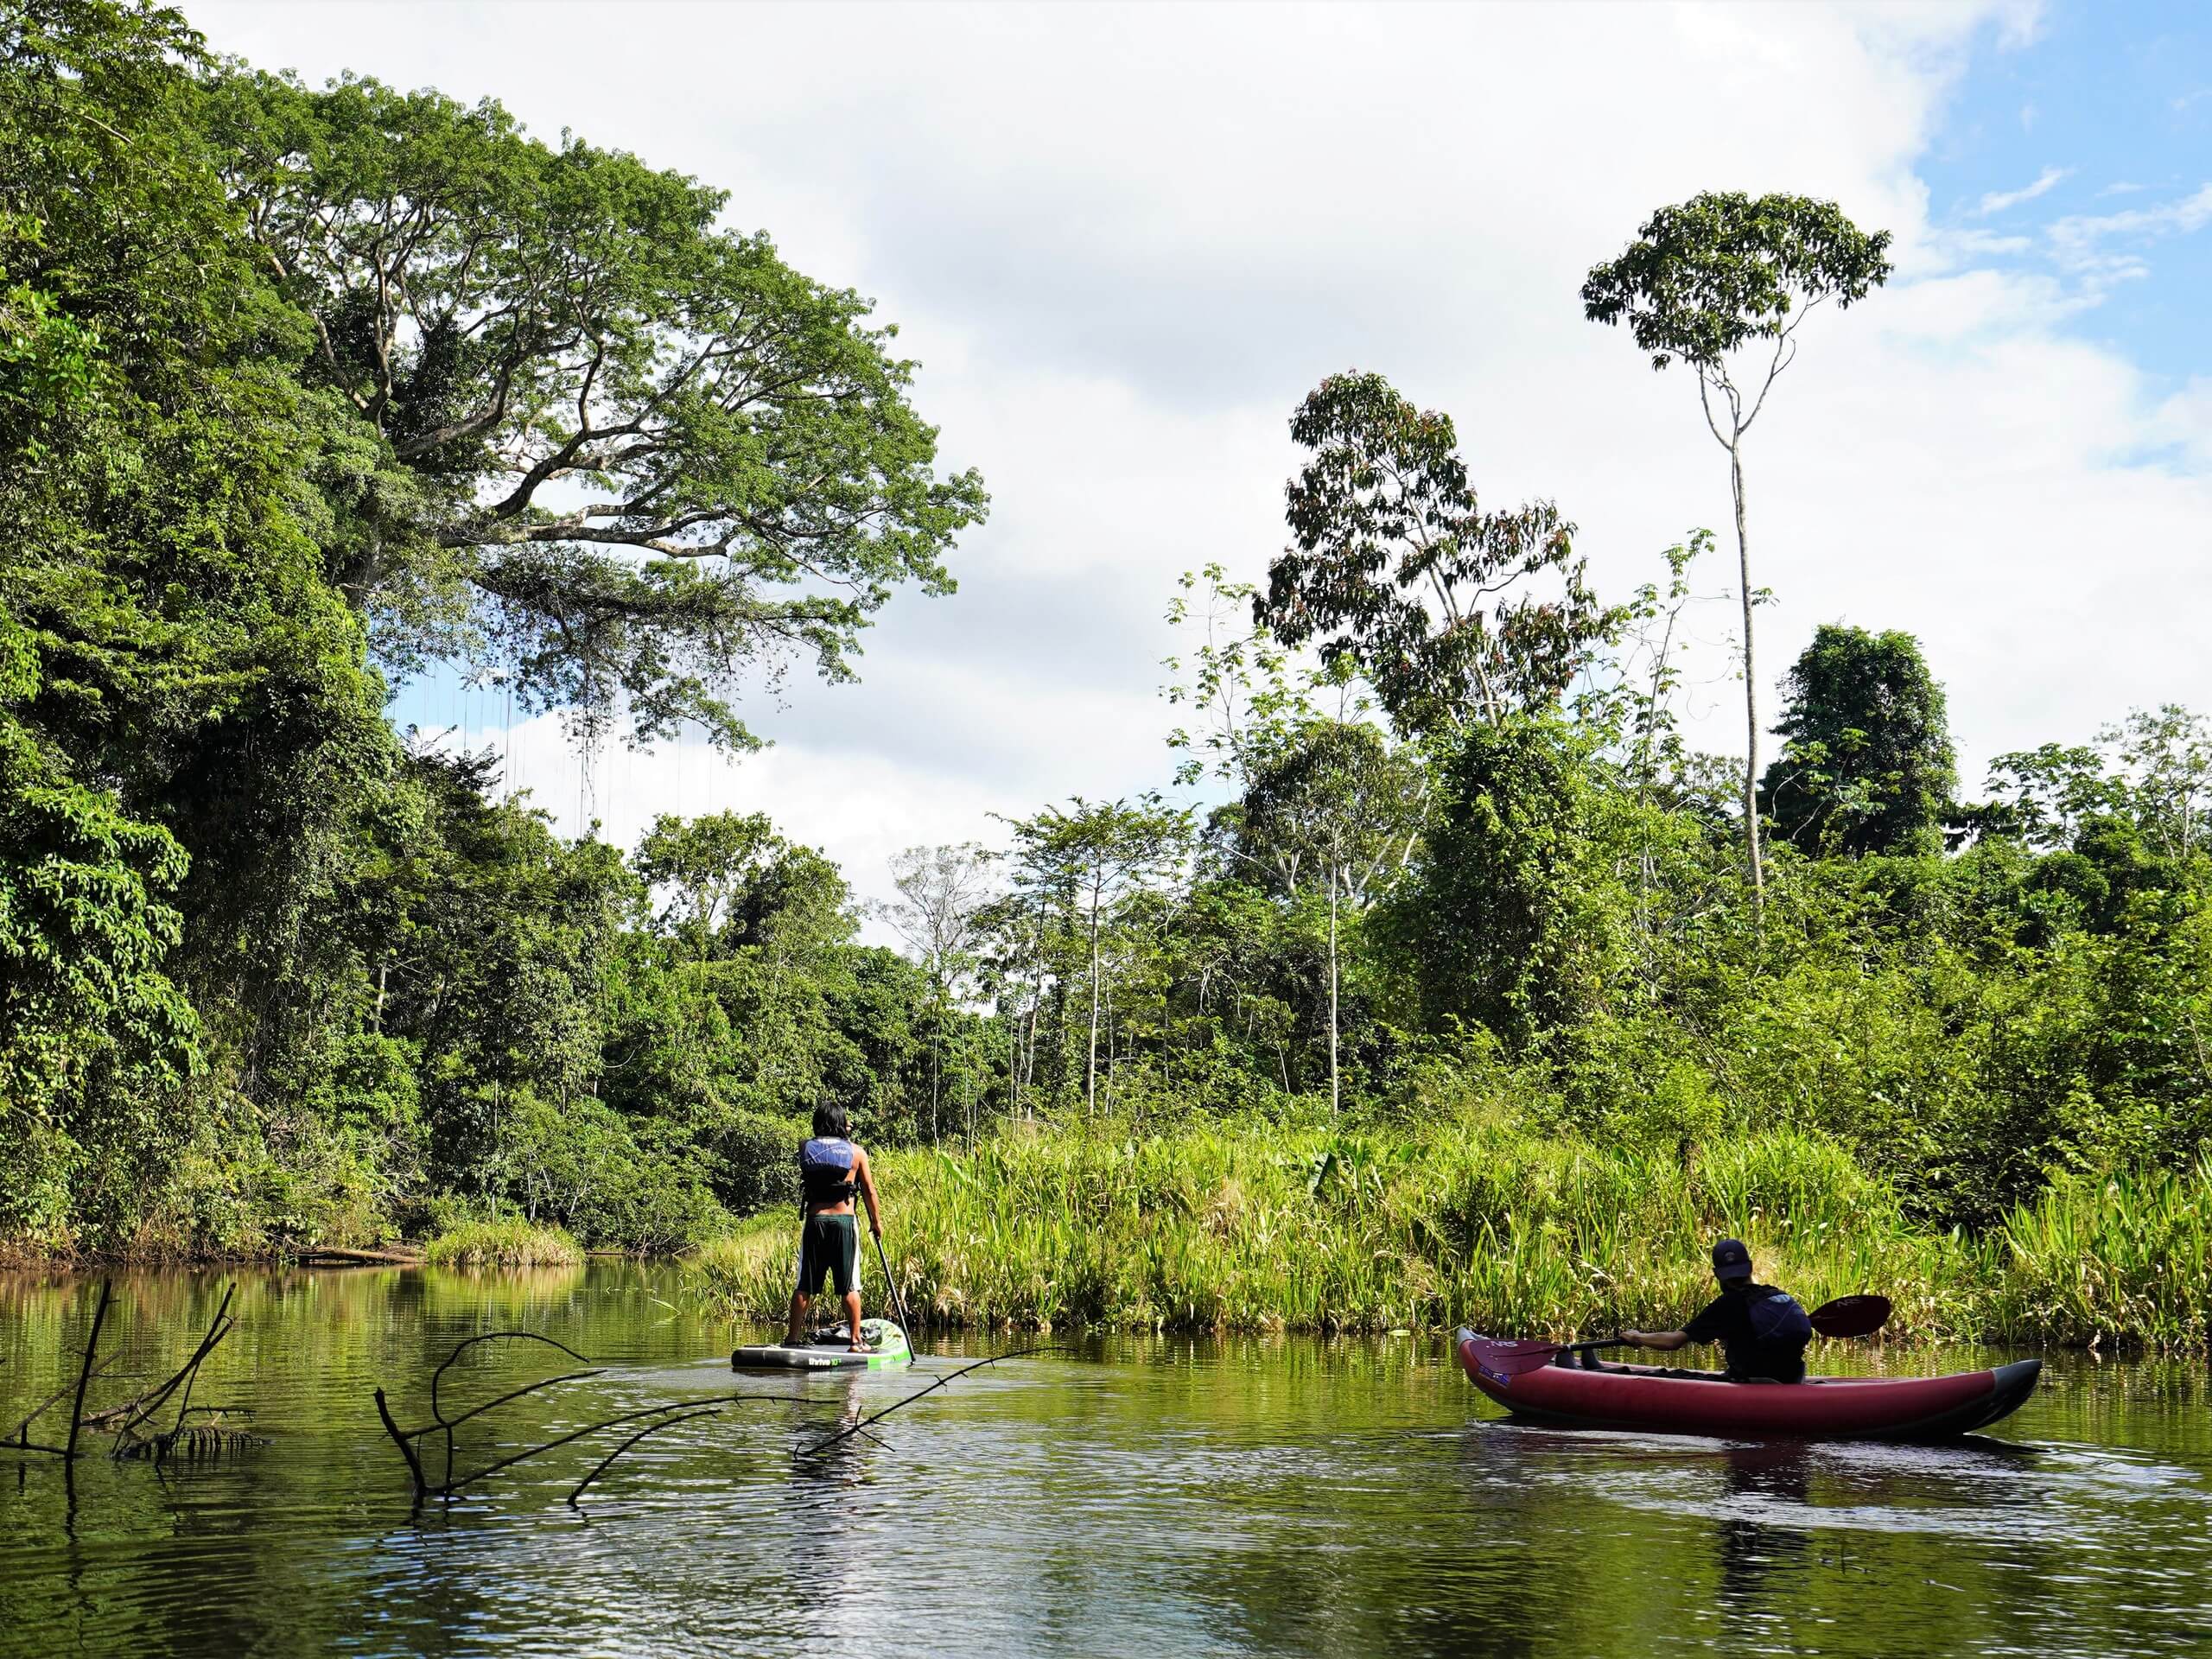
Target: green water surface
x,y
1156,1498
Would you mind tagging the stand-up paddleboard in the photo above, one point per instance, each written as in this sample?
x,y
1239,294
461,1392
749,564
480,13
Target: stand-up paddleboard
x,y
828,1350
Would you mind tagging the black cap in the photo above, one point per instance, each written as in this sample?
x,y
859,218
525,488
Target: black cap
x,y
1731,1261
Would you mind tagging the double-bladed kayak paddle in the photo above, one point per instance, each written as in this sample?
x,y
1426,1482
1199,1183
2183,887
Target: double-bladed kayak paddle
x,y
1847,1316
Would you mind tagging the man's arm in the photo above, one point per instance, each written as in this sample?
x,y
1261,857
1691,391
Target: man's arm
x,y
1706,1326
866,1177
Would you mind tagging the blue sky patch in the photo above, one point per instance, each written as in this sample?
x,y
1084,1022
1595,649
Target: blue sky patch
x,y
2090,148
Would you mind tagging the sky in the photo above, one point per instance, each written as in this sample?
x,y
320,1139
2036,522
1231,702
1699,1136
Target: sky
x,y
1124,242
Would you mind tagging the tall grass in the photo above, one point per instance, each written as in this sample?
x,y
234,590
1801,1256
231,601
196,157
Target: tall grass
x,y
507,1242
1313,1229
2127,1258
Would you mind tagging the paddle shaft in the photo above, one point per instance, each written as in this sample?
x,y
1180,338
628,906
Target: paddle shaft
x,y
1847,1316
898,1302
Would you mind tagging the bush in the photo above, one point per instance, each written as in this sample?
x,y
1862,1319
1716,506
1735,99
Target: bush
x,y
507,1241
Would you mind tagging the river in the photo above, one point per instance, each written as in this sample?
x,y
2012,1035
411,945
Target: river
x,y
1129,1496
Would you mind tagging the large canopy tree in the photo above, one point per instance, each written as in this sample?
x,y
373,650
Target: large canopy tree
x,y
620,452
1451,614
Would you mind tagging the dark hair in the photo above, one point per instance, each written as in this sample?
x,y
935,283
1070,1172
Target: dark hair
x,y
830,1120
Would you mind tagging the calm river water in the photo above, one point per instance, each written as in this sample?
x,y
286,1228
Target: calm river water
x,y
1155,1497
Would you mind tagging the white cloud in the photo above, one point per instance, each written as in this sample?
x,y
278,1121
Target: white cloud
x,y
1124,242
2102,248
1998,200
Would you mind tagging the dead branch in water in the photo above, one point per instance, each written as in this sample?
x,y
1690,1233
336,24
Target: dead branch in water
x,y
198,1442
406,1438
649,1428
654,1418
438,1375
866,1423
184,1438
85,1376
128,1443
91,1367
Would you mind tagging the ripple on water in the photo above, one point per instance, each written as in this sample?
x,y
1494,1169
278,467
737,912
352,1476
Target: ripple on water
x,y
1161,1499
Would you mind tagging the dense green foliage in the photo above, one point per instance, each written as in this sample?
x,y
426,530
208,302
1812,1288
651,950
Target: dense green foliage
x,y
1866,765
1258,1227
282,373
269,974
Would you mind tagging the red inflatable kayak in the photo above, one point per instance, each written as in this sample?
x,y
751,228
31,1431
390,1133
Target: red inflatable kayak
x,y
1569,1395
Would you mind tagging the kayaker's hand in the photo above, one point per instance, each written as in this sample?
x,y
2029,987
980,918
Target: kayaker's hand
x,y
876,1228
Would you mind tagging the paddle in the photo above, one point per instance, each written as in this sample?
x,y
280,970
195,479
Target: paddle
x,y
1851,1316
1847,1316
899,1302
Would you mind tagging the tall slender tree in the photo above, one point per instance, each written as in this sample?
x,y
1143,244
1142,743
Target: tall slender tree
x,y
1332,811
943,892
1103,852
1724,281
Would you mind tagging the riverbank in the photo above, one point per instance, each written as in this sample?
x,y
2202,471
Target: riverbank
x,y
1315,1230
1254,1228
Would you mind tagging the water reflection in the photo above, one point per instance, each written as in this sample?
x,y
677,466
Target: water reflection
x,y
1761,1485
1158,1497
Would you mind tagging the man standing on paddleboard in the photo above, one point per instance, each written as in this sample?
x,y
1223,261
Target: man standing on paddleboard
x,y
1762,1330
829,1168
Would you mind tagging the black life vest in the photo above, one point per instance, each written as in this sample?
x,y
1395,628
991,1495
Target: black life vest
x,y
825,1171
1777,1317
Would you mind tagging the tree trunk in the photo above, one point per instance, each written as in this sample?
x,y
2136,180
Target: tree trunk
x,y
1336,1097
1750,700
936,1032
1029,1059
1090,1055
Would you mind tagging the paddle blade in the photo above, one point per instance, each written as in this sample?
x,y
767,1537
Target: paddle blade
x,y
1851,1316
1502,1361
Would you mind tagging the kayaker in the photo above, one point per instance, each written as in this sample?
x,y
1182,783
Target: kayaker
x,y
830,1167
1762,1331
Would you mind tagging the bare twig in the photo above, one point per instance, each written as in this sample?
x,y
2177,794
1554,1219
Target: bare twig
x,y
865,1423
85,1376
19,1436
148,1403
490,1336
649,1428
626,1417
406,1446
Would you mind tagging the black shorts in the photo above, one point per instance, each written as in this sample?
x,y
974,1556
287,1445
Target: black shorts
x,y
831,1245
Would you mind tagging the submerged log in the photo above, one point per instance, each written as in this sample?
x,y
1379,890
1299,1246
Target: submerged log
x,y
333,1256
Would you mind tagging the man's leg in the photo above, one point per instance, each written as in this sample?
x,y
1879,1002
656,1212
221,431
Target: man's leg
x,y
853,1314
796,1332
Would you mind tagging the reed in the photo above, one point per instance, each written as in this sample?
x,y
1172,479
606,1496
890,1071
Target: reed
x,y
1267,1229
2125,1259
508,1241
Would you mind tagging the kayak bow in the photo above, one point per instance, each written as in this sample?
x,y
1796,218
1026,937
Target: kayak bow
x,y
1705,1402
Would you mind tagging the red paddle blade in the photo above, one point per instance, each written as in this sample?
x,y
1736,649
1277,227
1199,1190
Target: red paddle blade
x,y
1851,1316
1500,1361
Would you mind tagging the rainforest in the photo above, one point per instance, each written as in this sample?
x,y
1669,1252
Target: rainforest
x,y
1441,978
